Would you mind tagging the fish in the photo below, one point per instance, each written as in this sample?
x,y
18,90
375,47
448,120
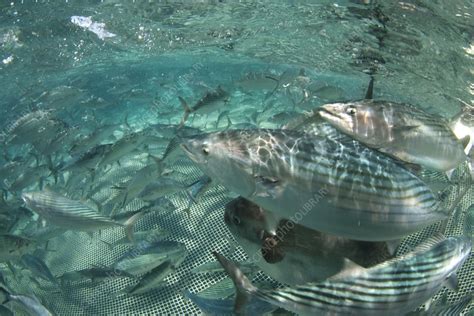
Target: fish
x,y
336,187
146,256
87,160
38,267
93,139
28,125
29,177
12,247
394,287
71,214
197,189
210,102
124,146
278,246
30,304
225,306
61,97
159,188
132,188
95,274
399,130
152,279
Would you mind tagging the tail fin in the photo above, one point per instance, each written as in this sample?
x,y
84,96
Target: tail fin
x,y
187,111
130,224
127,124
370,89
243,286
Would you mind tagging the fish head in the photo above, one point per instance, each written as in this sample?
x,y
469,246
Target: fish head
x,y
362,119
225,158
458,248
28,198
245,219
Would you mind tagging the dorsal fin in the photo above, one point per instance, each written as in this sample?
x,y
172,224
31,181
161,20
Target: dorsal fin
x,y
429,242
465,141
370,89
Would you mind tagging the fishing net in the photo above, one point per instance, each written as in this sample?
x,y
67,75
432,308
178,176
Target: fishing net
x,y
203,231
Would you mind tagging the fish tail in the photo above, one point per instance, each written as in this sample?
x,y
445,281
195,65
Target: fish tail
x,y
127,124
130,224
187,111
243,286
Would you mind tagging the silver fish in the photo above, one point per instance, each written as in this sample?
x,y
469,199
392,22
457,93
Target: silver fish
x,y
210,102
147,256
152,279
159,188
88,159
336,187
70,214
95,274
122,147
400,130
138,182
29,304
291,253
394,287
93,139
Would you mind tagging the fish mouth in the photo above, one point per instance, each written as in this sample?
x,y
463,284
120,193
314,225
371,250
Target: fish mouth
x,y
326,112
189,152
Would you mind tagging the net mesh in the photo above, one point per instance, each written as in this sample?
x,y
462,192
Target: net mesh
x,y
203,231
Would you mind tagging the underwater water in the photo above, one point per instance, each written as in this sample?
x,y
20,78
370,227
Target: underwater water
x,y
97,96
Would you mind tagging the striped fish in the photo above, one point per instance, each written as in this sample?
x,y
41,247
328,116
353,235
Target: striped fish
x,y
400,130
71,214
336,186
394,287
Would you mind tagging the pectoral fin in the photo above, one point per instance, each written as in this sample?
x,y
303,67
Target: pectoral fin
x,y
392,246
452,282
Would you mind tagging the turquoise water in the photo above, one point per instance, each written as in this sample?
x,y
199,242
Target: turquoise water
x,y
274,60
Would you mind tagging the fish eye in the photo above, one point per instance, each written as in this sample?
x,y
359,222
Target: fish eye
x,y
236,220
205,150
351,110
